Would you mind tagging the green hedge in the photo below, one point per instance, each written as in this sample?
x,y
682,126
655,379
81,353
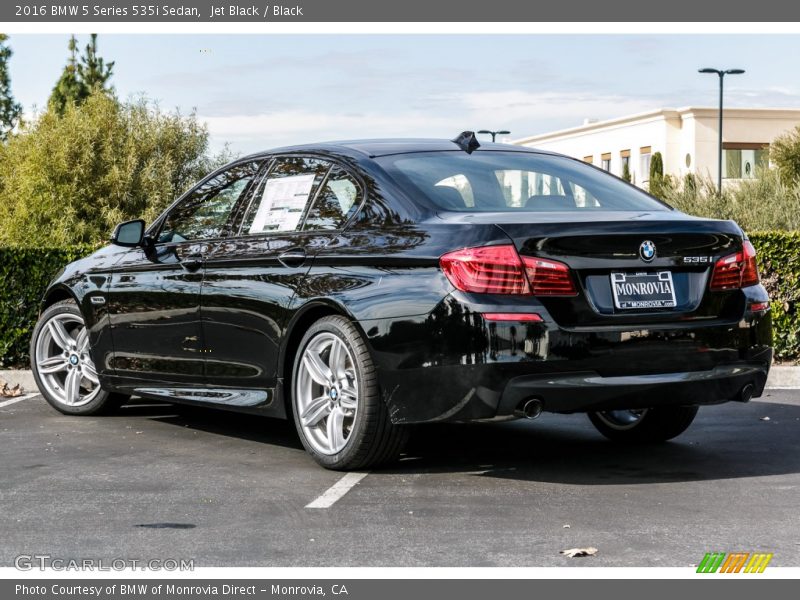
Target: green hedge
x,y
25,272
24,275
779,263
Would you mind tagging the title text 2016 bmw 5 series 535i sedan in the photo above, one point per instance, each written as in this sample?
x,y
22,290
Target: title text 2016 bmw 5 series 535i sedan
x,y
359,287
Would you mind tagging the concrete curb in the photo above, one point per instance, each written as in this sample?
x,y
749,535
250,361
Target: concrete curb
x,y
24,377
784,377
779,377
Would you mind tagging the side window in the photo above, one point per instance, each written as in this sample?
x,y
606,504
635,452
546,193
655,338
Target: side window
x,y
282,199
204,213
335,202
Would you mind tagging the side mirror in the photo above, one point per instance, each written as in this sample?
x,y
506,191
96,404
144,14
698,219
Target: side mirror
x,y
129,234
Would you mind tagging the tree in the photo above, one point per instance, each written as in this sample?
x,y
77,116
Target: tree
x,y
94,72
784,153
69,89
626,172
656,175
80,77
71,178
10,110
656,166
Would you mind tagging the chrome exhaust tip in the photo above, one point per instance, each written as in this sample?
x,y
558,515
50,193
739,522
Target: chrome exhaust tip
x,y
529,409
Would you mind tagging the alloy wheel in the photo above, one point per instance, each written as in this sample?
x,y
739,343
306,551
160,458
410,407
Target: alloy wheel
x,y
63,363
326,393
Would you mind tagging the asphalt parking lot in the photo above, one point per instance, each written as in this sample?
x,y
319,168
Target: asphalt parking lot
x,y
160,481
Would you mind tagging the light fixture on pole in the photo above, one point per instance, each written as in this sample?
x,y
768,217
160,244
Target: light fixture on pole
x,y
494,134
721,73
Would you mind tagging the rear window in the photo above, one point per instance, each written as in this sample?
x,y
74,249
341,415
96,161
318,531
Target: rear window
x,y
513,181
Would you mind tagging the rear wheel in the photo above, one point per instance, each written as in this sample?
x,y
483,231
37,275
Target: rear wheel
x,y
644,425
338,411
62,367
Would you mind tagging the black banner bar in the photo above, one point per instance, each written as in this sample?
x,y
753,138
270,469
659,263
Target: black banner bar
x,y
731,588
441,11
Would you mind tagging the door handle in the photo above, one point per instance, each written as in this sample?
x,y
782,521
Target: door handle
x,y
292,258
192,262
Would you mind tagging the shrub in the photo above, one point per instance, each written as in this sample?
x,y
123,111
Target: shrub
x,y
762,204
24,275
784,152
690,183
69,179
779,263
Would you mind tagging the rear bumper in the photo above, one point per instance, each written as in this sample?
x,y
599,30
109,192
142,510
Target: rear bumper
x,y
581,392
453,365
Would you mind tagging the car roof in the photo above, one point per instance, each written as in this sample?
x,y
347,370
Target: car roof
x,y
373,148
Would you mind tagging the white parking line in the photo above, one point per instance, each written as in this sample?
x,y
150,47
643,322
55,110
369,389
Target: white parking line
x,y
336,491
17,399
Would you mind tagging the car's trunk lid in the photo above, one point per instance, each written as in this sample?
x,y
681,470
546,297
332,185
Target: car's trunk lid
x,y
599,246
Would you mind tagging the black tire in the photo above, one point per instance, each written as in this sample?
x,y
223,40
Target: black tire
x,y
655,425
104,402
373,439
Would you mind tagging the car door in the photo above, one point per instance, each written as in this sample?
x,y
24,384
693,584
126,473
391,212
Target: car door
x,y
252,280
154,294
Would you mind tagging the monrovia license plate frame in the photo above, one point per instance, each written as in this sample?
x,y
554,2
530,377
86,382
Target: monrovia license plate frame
x,y
644,290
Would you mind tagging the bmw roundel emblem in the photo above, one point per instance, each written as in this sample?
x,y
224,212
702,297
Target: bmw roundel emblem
x,y
647,251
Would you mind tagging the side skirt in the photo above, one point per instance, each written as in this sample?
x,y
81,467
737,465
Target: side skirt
x,y
261,402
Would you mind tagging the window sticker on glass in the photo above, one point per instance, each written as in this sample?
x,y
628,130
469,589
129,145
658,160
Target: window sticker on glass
x,y
282,203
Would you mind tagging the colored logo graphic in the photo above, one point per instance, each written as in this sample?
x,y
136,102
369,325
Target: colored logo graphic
x,y
647,251
734,562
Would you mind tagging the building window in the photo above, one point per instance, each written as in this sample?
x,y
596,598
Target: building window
x,y
605,163
741,161
589,159
644,162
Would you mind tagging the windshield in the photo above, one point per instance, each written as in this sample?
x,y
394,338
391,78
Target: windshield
x,y
513,181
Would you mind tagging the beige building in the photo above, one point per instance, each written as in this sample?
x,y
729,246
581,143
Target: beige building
x,y
685,137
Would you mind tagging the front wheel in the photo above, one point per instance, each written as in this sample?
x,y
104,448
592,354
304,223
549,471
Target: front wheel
x,y
62,368
336,403
644,425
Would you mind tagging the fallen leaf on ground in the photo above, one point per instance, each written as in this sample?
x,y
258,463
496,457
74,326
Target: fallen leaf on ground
x,y
576,552
7,391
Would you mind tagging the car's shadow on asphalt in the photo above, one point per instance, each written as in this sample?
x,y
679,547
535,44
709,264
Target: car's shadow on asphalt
x,y
564,449
277,432
555,448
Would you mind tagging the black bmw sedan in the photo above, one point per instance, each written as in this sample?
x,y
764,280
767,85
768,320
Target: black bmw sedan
x,y
359,287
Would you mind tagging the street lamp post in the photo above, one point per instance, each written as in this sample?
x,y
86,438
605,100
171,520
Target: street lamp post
x,y
721,73
494,134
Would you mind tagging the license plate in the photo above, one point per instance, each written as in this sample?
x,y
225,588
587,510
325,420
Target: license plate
x,y
643,290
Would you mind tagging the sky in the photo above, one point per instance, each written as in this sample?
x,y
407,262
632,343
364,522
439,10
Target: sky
x,y
257,92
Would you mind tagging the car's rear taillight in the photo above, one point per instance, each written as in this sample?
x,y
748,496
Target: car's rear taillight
x,y
500,270
486,270
549,277
736,270
750,268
